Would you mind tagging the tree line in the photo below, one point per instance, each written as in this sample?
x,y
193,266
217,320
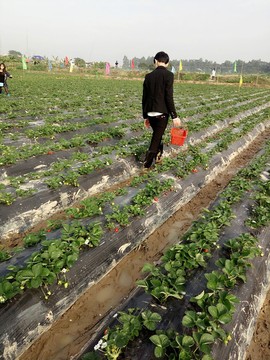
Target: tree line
x,y
191,65
203,66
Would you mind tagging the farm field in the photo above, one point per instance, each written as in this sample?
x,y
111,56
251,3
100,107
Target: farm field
x,y
80,218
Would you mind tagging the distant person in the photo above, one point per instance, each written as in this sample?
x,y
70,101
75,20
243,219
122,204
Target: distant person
x,y
4,75
213,74
116,64
158,105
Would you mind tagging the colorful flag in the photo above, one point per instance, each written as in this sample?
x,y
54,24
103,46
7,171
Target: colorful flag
x,y
234,67
108,68
24,65
173,70
132,64
180,66
66,61
240,81
71,67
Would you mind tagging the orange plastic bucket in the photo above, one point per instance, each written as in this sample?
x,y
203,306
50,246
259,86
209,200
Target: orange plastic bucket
x,y
178,136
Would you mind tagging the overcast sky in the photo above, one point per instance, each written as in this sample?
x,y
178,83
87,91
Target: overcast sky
x,y
106,30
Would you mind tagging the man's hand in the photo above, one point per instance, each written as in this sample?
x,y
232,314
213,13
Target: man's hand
x,y
146,123
176,122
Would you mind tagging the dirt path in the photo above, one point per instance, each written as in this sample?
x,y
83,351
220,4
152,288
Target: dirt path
x,y
259,348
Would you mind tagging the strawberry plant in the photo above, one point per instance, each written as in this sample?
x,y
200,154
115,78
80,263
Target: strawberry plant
x,y
260,214
130,325
34,238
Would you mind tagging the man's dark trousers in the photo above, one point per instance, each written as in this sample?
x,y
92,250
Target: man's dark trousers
x,y
158,124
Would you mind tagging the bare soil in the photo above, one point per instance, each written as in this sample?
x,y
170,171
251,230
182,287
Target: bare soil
x,y
259,348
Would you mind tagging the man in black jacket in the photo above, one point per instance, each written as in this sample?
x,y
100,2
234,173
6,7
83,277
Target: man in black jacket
x,y
158,105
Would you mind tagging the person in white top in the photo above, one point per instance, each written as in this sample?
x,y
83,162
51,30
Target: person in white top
x,y
213,74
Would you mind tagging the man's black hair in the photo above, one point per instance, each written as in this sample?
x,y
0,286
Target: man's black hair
x,y
161,56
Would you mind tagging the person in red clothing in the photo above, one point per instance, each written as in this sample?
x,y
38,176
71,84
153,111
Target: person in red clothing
x,y
158,105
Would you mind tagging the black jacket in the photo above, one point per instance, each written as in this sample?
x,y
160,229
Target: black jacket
x,y
2,77
158,92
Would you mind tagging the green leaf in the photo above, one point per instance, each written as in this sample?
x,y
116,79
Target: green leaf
x,y
207,357
212,281
242,277
212,284
37,269
205,348
213,311
5,287
160,340
159,352
35,283
156,282
232,298
45,255
221,334
142,283
24,275
188,321
188,341
150,320
51,278
45,272
147,268
200,259
185,355
46,242
12,268
55,254
207,339
59,265
71,259
200,296
221,309
121,340
91,356
229,265
225,318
